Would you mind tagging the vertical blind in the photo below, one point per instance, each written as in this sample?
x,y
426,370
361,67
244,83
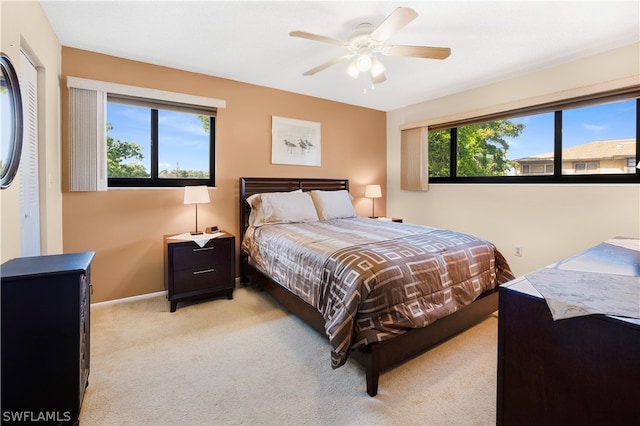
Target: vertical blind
x,y
87,140
414,171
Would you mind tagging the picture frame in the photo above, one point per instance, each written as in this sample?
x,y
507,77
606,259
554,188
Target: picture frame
x,y
295,142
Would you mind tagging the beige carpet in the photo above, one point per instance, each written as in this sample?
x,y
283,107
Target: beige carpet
x,y
246,361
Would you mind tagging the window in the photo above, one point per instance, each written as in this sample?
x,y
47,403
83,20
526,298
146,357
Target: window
x,y
128,136
590,168
589,141
157,145
536,169
598,139
439,153
495,148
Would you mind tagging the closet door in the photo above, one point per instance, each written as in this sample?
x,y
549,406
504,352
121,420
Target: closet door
x,y
29,177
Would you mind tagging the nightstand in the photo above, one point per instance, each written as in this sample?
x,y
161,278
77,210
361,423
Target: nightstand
x,y
194,272
389,219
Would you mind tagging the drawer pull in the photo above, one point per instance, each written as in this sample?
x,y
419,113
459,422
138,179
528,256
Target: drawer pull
x,y
204,271
203,249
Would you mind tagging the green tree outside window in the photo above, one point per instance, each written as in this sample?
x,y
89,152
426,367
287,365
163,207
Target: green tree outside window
x,y
482,149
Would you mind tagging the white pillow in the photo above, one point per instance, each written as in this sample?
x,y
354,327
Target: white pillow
x,y
333,204
281,207
255,201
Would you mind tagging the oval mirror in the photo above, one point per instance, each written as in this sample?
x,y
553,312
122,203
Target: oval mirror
x,y
10,123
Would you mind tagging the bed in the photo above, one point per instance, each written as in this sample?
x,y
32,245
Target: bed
x,y
381,292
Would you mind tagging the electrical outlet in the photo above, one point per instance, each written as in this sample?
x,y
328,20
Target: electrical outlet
x,y
517,251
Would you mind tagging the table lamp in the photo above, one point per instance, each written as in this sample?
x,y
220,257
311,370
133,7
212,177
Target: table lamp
x,y
373,192
196,195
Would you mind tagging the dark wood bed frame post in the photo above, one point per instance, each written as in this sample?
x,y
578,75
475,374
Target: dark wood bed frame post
x,y
372,369
376,357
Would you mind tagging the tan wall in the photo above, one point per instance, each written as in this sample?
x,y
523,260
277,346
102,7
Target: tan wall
x,y
549,222
125,227
612,166
25,26
604,166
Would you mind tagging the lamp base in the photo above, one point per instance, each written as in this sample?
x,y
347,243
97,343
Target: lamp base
x,y
196,232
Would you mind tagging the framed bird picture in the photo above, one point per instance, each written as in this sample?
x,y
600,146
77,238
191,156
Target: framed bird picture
x,y
295,142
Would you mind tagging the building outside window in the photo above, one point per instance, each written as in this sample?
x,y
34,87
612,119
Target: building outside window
x,y
597,157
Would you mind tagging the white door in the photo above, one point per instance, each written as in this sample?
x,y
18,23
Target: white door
x,y
29,181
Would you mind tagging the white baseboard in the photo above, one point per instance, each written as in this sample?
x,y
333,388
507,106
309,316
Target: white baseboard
x,y
143,296
130,299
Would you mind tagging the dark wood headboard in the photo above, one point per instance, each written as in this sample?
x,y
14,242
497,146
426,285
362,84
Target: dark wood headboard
x,y
250,186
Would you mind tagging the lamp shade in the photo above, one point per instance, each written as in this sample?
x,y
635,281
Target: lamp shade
x,y
196,195
373,191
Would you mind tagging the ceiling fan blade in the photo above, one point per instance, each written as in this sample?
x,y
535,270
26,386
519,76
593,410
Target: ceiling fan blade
x,y
380,78
328,64
394,22
418,51
315,37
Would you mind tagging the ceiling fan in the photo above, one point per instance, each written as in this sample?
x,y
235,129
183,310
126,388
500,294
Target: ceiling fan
x,y
367,41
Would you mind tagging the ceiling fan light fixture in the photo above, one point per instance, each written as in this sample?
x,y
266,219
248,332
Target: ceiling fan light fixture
x,y
353,70
376,67
367,41
364,62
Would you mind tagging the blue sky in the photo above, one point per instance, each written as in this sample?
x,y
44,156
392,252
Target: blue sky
x,y
581,125
181,136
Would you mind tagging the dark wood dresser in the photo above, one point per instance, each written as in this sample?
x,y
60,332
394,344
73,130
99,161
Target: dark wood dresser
x,y
45,338
194,272
583,370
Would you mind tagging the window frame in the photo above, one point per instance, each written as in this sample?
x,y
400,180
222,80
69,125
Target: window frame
x,y
154,181
557,176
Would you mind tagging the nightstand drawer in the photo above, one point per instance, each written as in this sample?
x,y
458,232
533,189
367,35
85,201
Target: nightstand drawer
x,y
192,256
214,276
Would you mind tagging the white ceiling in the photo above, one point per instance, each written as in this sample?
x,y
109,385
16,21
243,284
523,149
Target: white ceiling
x,y
248,41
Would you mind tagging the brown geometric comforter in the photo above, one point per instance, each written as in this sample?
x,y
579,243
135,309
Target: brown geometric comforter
x,y
373,280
